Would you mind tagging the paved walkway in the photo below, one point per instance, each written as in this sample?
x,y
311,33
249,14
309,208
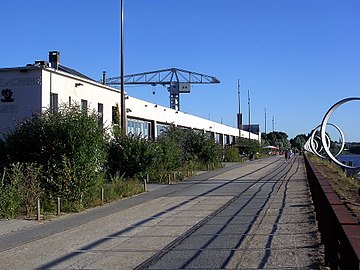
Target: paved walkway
x,y
256,215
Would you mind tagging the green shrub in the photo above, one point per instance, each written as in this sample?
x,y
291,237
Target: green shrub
x,y
248,147
66,154
231,154
199,147
70,147
9,197
168,157
195,148
130,156
27,176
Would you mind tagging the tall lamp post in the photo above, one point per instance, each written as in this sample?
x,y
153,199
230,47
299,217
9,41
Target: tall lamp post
x,y
122,90
239,113
249,111
265,124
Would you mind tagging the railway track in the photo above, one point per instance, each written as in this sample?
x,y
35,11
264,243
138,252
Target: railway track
x,y
279,177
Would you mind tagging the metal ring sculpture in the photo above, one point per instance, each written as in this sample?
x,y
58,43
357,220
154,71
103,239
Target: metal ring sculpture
x,y
323,131
307,146
314,145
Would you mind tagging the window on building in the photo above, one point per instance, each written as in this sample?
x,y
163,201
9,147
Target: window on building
x,y
54,102
219,138
84,105
69,101
100,114
209,134
139,128
161,128
227,139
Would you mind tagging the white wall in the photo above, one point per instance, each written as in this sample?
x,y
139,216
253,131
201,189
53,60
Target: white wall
x,y
64,85
25,86
138,108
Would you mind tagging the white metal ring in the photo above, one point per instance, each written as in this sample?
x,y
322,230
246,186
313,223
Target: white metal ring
x,y
323,131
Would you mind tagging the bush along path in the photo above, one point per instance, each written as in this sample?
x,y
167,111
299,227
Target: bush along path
x,y
67,155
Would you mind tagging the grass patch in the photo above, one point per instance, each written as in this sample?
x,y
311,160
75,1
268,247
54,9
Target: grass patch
x,y
120,188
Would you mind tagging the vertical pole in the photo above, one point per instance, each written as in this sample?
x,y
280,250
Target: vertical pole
x,y
265,124
58,206
122,98
102,195
239,113
104,78
273,124
38,209
249,110
145,186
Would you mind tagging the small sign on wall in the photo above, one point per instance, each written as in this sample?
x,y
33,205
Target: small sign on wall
x,y
7,95
7,101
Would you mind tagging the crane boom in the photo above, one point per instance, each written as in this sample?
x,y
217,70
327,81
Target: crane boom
x,y
178,81
164,77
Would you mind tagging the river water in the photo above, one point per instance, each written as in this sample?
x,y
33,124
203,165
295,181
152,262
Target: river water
x,y
355,159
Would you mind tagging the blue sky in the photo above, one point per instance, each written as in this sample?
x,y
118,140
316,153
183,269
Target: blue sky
x,y
296,57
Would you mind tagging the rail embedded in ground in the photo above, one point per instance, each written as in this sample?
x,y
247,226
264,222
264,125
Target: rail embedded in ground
x,y
340,231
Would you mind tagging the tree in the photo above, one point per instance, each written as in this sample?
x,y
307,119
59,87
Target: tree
x,y
278,139
264,139
248,147
299,141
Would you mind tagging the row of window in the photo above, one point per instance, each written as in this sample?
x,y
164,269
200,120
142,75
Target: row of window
x,y
136,127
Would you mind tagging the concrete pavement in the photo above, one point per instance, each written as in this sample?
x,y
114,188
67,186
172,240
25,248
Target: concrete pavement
x,y
256,215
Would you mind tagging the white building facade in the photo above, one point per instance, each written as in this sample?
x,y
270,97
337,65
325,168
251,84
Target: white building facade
x,y
34,88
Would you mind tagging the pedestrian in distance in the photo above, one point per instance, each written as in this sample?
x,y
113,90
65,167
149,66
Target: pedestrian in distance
x,y
290,154
286,155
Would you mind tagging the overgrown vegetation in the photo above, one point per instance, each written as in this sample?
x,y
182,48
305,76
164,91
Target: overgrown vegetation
x,y
130,156
9,198
66,150
68,155
231,154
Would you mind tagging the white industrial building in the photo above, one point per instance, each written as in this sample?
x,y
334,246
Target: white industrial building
x,y
43,85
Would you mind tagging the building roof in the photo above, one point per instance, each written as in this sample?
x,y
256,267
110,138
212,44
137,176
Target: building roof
x,y
74,72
